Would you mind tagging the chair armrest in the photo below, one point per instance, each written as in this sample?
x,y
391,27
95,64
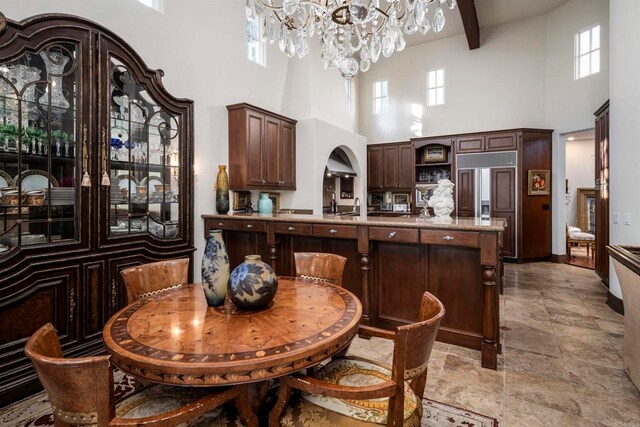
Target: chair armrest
x,y
316,386
370,331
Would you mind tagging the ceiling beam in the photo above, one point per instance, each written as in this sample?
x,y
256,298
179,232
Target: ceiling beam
x,y
470,22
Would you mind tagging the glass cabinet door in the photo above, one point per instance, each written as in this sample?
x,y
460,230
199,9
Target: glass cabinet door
x,y
144,160
39,138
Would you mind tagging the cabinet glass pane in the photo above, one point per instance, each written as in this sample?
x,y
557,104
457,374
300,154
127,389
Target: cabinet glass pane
x,y
38,143
144,160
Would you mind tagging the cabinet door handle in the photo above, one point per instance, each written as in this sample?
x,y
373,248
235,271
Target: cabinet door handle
x,y
220,224
333,231
392,234
264,182
448,238
249,226
291,228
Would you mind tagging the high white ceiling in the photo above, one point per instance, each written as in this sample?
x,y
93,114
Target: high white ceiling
x,y
490,13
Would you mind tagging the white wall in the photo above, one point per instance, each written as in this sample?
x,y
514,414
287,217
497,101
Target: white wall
x,y
484,88
521,76
580,171
624,150
200,44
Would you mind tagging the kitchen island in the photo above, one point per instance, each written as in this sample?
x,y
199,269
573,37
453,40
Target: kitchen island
x,y
391,262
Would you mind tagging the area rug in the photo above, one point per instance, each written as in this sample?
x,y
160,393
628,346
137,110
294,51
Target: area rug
x,y
35,411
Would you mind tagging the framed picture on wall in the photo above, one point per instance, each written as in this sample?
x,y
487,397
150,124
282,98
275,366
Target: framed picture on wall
x,y
539,182
241,200
275,198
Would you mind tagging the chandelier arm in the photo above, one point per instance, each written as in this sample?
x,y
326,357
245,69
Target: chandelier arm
x,y
270,5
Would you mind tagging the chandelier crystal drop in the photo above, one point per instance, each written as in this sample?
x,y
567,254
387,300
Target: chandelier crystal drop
x,y
353,33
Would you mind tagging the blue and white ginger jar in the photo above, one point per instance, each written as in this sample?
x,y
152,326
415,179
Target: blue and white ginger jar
x,y
215,269
252,284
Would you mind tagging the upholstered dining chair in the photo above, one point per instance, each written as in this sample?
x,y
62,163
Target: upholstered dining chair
x,y
81,392
320,266
154,277
353,391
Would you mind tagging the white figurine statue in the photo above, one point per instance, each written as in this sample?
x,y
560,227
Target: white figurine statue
x,y
442,199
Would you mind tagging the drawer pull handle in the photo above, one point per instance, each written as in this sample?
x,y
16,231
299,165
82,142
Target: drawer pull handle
x,y
333,231
220,224
392,234
249,226
448,237
291,228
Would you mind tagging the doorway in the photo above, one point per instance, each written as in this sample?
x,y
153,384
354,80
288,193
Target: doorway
x,y
580,198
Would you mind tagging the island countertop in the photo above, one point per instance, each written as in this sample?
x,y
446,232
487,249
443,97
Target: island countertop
x,y
409,221
390,263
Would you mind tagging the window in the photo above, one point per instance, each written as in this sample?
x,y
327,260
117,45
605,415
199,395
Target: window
x,y
347,90
587,52
256,49
435,87
380,97
153,4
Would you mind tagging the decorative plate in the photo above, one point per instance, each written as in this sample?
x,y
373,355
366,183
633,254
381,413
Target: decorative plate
x,y
5,180
124,180
151,182
35,179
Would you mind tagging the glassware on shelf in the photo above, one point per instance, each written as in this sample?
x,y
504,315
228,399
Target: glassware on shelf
x,y
33,133
123,103
55,63
118,136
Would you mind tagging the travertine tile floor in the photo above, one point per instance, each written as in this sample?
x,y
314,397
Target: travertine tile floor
x,y
561,364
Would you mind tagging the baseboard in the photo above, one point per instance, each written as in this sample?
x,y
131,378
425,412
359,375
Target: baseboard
x,y
615,303
559,259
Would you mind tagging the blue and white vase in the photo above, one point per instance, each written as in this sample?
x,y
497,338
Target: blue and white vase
x,y
252,284
265,205
215,269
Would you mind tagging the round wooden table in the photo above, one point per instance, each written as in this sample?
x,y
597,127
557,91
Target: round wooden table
x,y
176,338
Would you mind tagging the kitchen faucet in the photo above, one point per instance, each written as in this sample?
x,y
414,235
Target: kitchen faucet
x,y
356,204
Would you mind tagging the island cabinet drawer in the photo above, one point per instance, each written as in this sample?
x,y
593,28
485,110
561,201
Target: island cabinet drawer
x,y
254,226
221,224
390,234
335,231
450,238
296,228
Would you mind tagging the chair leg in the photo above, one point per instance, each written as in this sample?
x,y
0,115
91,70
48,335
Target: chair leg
x,y
284,394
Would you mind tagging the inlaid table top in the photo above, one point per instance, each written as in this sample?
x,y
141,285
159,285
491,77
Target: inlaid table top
x,y
176,338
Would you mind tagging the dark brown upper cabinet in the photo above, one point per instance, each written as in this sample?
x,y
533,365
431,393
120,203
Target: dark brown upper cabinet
x,y
405,166
375,168
390,166
489,142
262,149
83,101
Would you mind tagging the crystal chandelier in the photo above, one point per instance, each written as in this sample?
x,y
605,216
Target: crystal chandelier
x,y
353,33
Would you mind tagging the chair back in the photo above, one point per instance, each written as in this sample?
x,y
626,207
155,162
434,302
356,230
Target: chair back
x,y
322,267
414,342
154,277
80,390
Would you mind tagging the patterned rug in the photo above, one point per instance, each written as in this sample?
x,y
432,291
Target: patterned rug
x,y
35,411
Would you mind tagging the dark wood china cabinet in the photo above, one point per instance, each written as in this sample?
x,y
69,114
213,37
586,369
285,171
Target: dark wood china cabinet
x,y
95,175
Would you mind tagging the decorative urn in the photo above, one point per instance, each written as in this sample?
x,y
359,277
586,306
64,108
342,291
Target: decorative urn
x,y
253,284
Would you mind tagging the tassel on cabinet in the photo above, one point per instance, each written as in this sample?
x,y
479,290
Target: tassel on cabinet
x,y
105,179
86,180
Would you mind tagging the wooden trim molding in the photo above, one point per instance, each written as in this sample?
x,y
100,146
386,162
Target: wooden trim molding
x,y
615,303
470,21
559,259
